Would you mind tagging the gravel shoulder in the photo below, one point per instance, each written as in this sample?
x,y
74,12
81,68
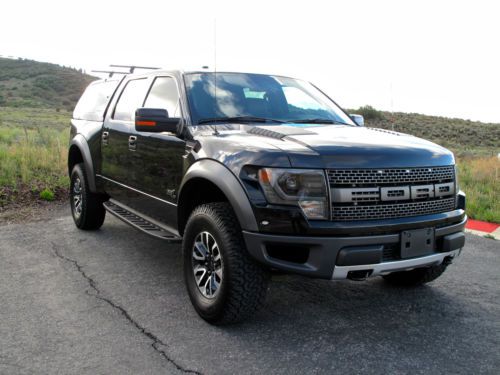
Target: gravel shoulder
x,y
114,301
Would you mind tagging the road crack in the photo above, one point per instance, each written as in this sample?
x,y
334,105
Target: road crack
x,y
96,293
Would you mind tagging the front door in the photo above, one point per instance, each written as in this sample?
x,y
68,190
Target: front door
x,y
158,159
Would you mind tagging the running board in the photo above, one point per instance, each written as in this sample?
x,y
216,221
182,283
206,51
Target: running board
x,y
140,222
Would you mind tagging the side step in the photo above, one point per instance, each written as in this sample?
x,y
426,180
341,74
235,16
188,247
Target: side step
x,y
140,222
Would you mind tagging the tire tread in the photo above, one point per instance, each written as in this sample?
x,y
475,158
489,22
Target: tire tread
x,y
93,211
248,280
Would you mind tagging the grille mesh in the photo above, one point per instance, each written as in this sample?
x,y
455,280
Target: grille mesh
x,y
392,176
395,210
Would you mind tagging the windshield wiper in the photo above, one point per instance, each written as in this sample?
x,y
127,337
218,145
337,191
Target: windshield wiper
x,y
317,121
237,119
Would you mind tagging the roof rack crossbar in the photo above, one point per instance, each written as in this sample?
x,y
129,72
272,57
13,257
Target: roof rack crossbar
x,y
133,67
110,72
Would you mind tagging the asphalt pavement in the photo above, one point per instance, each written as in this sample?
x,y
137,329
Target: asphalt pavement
x,y
114,302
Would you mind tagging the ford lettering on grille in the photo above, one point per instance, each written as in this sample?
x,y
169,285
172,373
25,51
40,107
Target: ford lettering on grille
x,y
392,193
368,194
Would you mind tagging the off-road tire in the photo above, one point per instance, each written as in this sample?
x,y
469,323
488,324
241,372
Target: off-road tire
x,y
92,212
416,277
244,283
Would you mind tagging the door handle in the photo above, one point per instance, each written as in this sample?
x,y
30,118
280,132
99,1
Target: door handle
x,y
105,136
132,143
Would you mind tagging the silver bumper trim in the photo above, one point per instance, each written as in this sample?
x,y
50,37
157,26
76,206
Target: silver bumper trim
x,y
340,272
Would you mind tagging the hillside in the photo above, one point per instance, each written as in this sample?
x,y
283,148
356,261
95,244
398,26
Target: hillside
x,y
28,83
464,137
36,100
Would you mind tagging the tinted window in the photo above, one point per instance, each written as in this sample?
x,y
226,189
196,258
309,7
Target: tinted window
x,y
94,100
131,98
164,95
258,95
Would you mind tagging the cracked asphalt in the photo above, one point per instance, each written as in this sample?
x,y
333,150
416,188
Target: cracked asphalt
x,y
113,302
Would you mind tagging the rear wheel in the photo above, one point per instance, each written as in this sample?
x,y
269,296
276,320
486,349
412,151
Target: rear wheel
x,y
224,283
417,276
86,207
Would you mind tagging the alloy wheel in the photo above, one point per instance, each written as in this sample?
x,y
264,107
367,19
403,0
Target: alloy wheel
x,y
77,197
207,264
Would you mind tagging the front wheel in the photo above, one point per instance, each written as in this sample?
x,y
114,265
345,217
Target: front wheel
x,y
86,207
224,283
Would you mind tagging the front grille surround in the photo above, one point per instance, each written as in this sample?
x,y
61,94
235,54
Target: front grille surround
x,y
355,189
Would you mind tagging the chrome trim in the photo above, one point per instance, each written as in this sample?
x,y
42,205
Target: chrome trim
x,y
340,272
395,193
422,191
138,191
442,190
349,195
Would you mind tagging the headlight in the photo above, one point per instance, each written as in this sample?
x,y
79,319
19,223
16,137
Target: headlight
x,y
305,188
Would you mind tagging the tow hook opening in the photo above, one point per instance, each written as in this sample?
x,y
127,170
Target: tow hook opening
x,y
359,275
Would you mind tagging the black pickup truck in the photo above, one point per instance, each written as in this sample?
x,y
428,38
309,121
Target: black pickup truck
x,y
255,173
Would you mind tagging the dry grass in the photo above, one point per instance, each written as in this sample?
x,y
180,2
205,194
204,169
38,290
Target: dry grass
x,y
479,178
33,153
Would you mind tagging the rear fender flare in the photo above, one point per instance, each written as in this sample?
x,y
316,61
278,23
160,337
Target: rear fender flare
x,y
80,142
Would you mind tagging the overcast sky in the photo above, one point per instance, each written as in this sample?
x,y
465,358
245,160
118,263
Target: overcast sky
x,y
433,57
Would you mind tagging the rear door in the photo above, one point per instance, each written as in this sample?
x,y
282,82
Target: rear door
x,y
158,159
118,142
88,116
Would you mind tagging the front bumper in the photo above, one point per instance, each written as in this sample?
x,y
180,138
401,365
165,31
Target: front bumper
x,y
325,257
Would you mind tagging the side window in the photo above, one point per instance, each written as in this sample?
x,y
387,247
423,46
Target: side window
x,y
163,94
131,98
94,100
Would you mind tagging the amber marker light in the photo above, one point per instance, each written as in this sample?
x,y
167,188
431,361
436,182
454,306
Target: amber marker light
x,y
146,123
265,176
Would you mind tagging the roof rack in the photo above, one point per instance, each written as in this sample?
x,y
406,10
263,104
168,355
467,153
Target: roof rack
x,y
110,72
133,67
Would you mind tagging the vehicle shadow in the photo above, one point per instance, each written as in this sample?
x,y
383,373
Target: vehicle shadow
x,y
328,324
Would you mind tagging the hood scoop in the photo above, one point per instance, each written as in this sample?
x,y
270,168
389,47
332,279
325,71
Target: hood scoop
x,y
278,132
386,131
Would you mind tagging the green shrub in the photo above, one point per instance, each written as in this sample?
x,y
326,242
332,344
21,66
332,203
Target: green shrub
x,y
47,195
370,113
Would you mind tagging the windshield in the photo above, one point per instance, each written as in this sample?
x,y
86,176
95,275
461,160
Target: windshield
x,y
258,96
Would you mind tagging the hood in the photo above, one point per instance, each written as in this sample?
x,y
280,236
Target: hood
x,y
336,146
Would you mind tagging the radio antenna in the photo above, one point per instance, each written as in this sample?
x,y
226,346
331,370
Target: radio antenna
x,y
215,74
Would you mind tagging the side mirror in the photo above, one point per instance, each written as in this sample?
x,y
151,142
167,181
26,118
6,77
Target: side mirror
x,y
155,120
358,119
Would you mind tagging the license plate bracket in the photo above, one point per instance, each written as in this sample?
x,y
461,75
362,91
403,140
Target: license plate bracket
x,y
417,242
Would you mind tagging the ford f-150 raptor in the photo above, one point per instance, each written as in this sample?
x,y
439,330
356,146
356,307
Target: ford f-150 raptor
x,y
255,173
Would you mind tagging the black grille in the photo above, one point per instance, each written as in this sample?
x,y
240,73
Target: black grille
x,y
391,252
390,176
395,210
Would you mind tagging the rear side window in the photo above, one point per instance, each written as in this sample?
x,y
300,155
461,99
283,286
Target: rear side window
x,y
164,95
94,100
131,98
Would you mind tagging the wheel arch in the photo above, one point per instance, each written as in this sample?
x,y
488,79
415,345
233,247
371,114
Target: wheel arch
x,y
79,152
210,181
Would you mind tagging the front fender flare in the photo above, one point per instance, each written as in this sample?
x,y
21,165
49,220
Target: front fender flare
x,y
227,182
80,142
